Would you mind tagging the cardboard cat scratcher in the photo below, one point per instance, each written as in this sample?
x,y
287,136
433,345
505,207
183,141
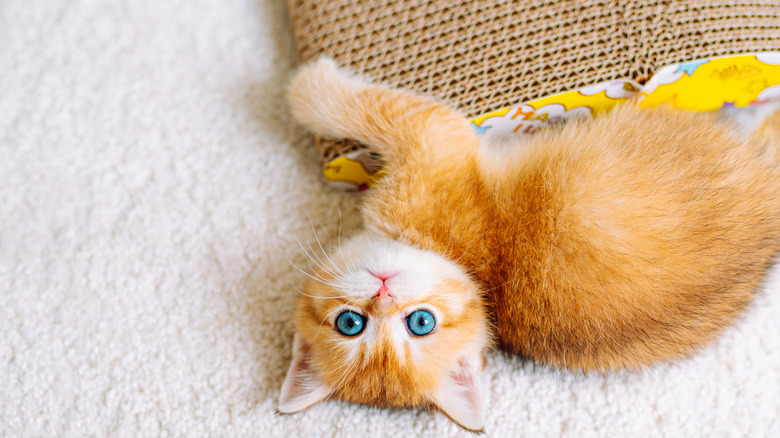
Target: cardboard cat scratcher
x,y
497,60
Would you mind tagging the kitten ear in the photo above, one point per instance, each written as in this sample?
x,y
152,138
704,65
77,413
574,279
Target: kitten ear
x,y
460,394
302,387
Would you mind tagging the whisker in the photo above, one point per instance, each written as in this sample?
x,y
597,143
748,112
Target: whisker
x,y
318,261
338,207
302,247
333,264
319,265
335,297
496,287
464,252
449,241
313,252
335,286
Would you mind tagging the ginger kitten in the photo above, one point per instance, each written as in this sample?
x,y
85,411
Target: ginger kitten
x,y
604,244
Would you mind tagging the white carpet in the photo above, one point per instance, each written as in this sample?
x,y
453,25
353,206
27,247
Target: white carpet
x,y
151,188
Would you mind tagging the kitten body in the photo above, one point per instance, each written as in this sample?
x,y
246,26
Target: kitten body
x,y
605,244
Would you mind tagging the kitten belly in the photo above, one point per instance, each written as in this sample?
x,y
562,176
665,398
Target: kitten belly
x,y
639,248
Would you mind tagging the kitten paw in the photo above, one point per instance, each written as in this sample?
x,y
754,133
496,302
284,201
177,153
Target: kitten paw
x,y
320,95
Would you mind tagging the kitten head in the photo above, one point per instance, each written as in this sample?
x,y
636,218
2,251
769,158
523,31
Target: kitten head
x,y
386,324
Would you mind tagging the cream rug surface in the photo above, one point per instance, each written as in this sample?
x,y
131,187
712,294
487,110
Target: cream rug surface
x,y
152,192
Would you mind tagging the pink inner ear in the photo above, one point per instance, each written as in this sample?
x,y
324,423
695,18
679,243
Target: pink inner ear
x,y
460,394
302,387
467,379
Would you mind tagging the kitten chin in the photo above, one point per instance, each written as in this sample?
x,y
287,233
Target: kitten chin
x,y
386,324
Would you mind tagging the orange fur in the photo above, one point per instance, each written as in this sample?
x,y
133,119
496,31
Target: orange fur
x,y
615,243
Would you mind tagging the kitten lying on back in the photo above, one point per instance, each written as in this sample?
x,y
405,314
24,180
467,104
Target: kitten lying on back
x,y
614,243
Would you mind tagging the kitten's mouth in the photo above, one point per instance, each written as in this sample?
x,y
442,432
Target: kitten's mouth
x,y
384,276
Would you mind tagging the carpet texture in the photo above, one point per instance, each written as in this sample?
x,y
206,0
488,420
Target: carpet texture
x,y
153,190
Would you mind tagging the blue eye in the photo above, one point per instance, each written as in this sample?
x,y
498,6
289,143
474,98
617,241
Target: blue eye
x,y
420,322
350,323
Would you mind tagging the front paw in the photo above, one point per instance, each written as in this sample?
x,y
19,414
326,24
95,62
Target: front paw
x,y
319,95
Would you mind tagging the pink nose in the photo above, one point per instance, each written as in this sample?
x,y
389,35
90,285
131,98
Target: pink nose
x,y
383,294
